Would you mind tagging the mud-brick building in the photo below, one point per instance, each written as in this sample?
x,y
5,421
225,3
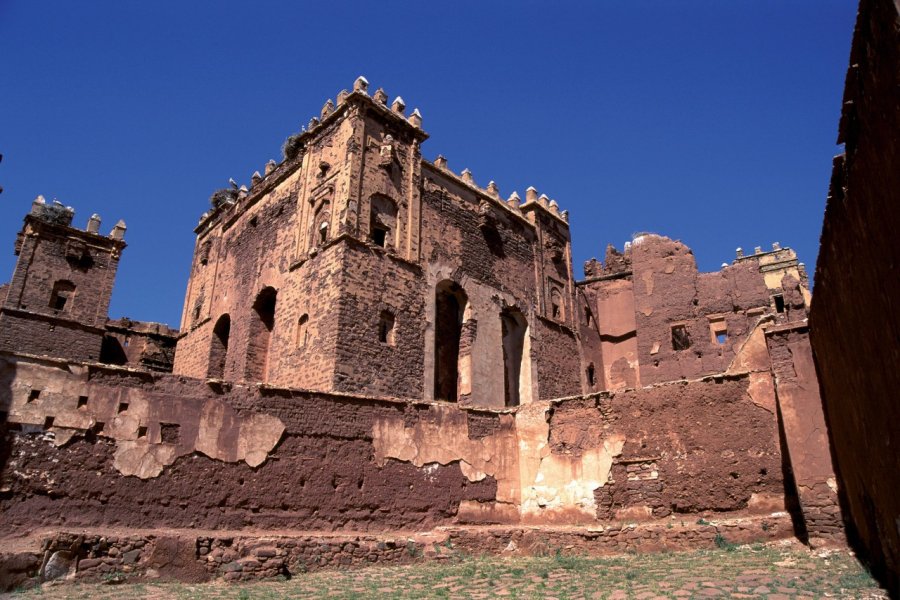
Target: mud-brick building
x,y
357,266
57,302
373,343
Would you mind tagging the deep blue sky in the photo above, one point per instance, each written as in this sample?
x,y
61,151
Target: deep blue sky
x,y
713,122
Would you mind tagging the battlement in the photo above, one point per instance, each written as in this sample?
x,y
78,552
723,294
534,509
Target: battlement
x,y
55,213
237,196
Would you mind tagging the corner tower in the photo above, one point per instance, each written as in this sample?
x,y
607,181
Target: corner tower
x,y
57,301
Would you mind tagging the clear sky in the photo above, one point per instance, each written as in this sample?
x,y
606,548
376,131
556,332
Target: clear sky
x,y
713,121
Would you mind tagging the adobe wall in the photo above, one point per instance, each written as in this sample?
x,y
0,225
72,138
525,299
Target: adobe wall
x,y
804,432
139,344
854,322
674,449
49,253
176,452
654,288
40,334
105,446
374,281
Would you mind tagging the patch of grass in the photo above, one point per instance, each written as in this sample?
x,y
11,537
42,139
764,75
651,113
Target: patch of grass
x,y
724,544
562,574
858,580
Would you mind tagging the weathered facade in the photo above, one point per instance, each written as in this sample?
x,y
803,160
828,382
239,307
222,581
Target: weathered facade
x,y
855,318
372,343
355,266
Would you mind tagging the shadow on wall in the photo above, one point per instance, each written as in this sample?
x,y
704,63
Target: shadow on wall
x,y
7,371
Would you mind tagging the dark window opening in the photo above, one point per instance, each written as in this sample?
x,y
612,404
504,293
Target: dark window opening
x,y
323,233
379,235
112,352
513,327
261,324
98,427
169,433
386,328
142,432
63,291
48,422
302,330
450,303
590,375
254,221
123,406
82,402
204,252
779,303
218,350
681,340
383,221
33,395
555,310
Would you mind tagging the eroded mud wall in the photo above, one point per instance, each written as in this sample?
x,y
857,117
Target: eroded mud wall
x,y
855,316
175,452
674,449
804,432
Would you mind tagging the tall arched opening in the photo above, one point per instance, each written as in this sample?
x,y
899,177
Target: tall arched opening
x,y
515,357
218,350
450,305
262,320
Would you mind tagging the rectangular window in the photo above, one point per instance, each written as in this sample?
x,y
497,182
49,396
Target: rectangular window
x,y
681,340
718,330
82,402
379,236
779,303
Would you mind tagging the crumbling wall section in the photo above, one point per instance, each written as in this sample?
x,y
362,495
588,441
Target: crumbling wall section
x,y
676,449
678,310
805,432
153,450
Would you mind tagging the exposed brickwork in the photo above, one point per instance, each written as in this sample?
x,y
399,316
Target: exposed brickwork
x,y
353,225
57,300
144,345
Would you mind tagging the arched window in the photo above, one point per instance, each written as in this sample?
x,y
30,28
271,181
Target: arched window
x,y
321,222
383,221
450,305
62,296
218,350
262,321
302,330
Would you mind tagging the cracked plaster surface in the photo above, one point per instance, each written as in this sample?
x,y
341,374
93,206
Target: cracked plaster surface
x,y
63,401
